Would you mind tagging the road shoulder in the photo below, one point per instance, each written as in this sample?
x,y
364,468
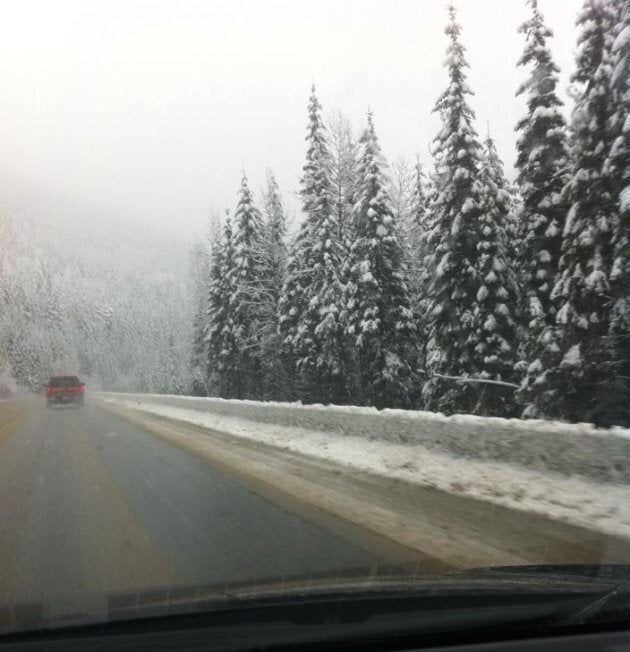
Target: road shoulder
x,y
12,414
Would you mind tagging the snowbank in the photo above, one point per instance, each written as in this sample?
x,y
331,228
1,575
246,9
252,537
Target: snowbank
x,y
542,446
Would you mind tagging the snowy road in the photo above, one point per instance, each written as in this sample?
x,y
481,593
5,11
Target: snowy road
x,y
91,503
105,499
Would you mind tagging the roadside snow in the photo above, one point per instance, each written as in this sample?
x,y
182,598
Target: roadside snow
x,y
600,506
595,455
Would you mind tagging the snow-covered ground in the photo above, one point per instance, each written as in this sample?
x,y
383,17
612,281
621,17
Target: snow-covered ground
x,y
596,505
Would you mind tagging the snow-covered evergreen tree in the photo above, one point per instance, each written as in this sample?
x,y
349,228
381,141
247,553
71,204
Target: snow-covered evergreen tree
x,y
618,168
343,153
422,256
411,213
619,158
542,168
401,193
495,315
453,303
581,385
508,203
200,277
222,346
292,307
420,196
274,249
618,162
273,258
247,297
310,309
380,323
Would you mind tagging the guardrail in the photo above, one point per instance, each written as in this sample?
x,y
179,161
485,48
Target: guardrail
x,y
568,449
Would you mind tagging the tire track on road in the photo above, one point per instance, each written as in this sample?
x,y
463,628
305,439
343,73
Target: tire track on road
x,y
123,554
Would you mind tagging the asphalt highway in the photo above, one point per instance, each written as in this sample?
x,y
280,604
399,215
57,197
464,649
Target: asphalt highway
x,y
90,503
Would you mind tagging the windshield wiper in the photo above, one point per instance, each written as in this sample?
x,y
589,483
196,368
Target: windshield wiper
x,y
593,608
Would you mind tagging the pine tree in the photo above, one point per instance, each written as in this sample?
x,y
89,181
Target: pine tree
x,y
542,168
508,200
310,309
343,153
411,210
583,383
578,373
245,303
380,321
222,348
296,342
497,297
514,256
200,275
618,169
272,278
451,349
618,161
411,214
421,253
401,193
274,232
419,197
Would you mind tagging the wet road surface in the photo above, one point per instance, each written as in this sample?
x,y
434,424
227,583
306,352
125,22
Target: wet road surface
x,y
92,503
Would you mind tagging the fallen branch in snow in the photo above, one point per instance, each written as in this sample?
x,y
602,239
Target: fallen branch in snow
x,y
487,381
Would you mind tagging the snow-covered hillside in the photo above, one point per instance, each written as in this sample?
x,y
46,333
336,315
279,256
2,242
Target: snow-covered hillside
x,y
100,298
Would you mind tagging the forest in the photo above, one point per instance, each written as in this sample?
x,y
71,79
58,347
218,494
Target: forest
x,y
99,299
448,287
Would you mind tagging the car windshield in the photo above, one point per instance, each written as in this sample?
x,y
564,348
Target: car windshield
x,y
312,299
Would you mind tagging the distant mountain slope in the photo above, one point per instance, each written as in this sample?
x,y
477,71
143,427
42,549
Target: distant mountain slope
x,y
79,293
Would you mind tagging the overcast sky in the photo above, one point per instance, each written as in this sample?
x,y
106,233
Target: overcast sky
x,y
150,109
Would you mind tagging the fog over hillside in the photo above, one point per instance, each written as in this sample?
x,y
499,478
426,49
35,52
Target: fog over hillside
x,y
103,298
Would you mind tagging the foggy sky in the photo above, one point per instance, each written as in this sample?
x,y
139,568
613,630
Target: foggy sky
x,y
150,109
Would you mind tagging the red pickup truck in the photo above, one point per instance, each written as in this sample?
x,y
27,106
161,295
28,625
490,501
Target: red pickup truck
x,y
64,389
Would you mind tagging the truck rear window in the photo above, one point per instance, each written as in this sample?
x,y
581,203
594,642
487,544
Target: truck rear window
x,y
65,381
